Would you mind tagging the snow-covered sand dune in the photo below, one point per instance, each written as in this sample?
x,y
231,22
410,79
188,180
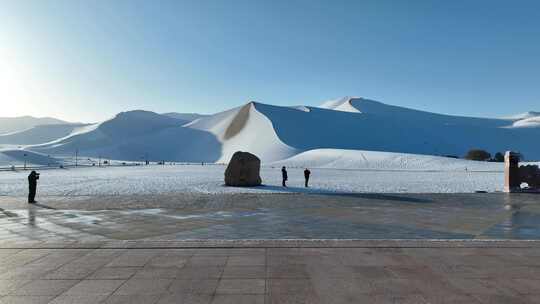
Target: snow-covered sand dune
x,y
21,123
18,158
245,129
276,133
139,135
41,134
380,127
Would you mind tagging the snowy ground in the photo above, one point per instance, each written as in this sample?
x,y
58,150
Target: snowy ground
x,y
156,179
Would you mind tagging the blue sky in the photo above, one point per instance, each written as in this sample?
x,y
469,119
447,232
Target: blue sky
x,y
87,60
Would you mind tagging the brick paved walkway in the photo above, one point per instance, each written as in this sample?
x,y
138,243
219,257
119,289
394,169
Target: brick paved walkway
x,y
366,272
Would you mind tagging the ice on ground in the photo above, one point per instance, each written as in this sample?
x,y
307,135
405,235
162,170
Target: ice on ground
x,y
209,179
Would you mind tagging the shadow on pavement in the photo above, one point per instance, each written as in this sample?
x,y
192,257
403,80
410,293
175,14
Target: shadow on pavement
x,y
43,206
8,213
372,196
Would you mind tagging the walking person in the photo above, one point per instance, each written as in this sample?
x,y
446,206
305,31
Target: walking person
x,y
306,176
284,176
32,186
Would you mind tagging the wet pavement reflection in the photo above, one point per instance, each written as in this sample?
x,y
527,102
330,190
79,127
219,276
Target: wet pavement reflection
x,y
278,216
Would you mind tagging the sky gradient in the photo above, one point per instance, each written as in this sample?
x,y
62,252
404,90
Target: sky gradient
x,y
87,60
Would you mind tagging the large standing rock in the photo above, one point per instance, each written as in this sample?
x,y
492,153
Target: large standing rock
x,y
243,170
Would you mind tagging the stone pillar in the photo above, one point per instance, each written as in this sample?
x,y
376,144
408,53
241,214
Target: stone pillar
x,y
511,172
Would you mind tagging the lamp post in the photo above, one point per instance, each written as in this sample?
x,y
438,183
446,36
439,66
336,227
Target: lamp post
x,y
76,156
24,161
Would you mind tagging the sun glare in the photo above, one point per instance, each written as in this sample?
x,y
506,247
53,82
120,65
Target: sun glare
x,y
14,96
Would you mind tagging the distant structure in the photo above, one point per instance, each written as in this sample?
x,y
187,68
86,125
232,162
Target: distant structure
x,y
511,172
243,170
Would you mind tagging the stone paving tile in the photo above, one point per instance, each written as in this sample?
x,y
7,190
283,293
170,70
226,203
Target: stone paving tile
x,y
372,272
156,273
501,299
168,261
344,298
201,272
297,298
94,287
481,286
342,287
79,299
25,272
132,299
8,286
290,271
334,272
284,260
364,259
113,273
290,286
517,272
532,299
205,286
393,286
183,298
521,286
7,252
247,260
131,259
205,260
317,275
457,298
238,299
418,272
144,287
213,252
22,258
44,288
244,272
436,288
398,298
458,271
241,286
26,299
71,272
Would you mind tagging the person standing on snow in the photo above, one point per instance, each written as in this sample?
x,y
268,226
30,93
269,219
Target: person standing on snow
x,y
306,176
284,176
32,186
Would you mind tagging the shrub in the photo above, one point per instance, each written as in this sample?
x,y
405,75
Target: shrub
x,y
499,157
477,154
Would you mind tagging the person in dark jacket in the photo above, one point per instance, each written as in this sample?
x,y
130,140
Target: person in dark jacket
x,y
284,176
306,176
32,185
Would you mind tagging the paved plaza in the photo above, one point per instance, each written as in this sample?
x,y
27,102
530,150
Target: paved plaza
x,y
274,248
365,272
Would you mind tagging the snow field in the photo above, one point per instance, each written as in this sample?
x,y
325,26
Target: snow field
x,y
209,179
